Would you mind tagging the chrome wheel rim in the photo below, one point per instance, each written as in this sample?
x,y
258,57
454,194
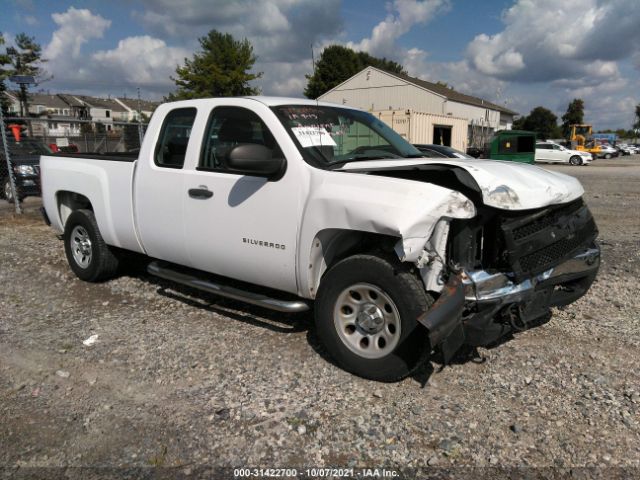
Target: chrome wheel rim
x,y
7,190
81,246
367,321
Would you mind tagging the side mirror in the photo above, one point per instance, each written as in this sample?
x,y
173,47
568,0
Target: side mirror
x,y
254,159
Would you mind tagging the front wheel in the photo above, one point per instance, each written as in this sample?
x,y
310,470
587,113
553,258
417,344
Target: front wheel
x,y
7,193
607,156
575,160
90,258
366,317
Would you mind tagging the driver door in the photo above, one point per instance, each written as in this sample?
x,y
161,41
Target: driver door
x,y
245,226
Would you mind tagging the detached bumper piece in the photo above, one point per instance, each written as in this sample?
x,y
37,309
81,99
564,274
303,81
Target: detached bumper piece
x,y
443,320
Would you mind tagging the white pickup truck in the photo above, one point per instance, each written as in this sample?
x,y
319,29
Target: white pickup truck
x,y
287,203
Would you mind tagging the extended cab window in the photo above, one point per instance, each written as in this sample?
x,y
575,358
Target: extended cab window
x,y
174,137
229,127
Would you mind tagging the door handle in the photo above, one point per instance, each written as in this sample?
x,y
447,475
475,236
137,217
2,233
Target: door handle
x,y
202,192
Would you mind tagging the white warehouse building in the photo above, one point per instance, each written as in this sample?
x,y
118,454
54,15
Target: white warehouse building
x,y
376,90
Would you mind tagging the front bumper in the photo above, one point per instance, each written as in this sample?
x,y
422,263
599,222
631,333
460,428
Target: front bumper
x,y
479,307
484,287
28,185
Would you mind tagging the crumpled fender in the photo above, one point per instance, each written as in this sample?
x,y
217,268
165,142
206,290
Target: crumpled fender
x,y
358,202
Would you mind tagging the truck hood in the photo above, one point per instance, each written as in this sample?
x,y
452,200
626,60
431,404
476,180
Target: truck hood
x,y
503,185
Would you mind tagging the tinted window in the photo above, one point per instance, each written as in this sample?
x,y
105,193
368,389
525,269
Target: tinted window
x,y
174,138
542,146
229,127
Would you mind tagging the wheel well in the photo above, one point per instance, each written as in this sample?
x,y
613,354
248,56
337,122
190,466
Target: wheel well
x,y
68,202
332,245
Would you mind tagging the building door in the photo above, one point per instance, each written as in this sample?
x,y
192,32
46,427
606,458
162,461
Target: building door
x,y
442,135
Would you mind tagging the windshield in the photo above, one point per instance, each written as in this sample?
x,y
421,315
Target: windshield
x,y
333,136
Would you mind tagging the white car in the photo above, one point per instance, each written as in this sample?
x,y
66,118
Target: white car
x,y
549,152
628,149
607,151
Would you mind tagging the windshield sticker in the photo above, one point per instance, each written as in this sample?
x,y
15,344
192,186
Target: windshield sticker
x,y
313,137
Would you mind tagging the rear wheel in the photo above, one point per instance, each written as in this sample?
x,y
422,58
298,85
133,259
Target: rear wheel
x,y
90,258
575,160
366,312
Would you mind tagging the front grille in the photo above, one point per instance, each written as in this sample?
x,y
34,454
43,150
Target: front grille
x,y
536,242
548,256
544,220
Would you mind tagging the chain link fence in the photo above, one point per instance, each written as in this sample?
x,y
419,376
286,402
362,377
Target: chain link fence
x,y
24,140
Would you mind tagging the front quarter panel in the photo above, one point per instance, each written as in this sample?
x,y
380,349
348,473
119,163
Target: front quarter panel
x,y
354,202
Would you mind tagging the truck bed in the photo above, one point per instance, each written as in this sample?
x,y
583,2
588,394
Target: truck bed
x,y
101,182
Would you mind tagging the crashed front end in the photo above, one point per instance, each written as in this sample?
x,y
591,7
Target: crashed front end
x,y
505,269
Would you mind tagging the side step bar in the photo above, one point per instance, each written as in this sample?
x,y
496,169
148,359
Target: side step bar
x,y
290,306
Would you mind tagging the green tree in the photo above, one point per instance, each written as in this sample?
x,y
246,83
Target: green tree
x,y
337,64
26,59
518,123
4,73
542,121
573,115
221,69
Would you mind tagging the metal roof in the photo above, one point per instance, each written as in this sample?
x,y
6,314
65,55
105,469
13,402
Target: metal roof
x,y
444,91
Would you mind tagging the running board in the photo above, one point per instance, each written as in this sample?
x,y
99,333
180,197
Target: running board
x,y
290,306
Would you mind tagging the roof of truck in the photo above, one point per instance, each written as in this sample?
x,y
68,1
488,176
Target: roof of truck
x,y
268,101
277,101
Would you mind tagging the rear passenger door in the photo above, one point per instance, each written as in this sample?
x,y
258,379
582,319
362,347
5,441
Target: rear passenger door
x,y
158,188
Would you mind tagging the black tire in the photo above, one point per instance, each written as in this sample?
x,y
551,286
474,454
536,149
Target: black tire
x,y
575,160
607,156
407,293
101,263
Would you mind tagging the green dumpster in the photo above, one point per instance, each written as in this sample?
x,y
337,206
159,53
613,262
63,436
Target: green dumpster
x,y
513,145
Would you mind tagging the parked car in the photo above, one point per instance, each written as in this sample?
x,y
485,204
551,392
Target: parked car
x,y
550,152
25,158
626,149
607,151
71,148
289,204
475,152
435,151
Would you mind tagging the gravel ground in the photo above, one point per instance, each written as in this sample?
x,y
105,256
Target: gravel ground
x,y
181,379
